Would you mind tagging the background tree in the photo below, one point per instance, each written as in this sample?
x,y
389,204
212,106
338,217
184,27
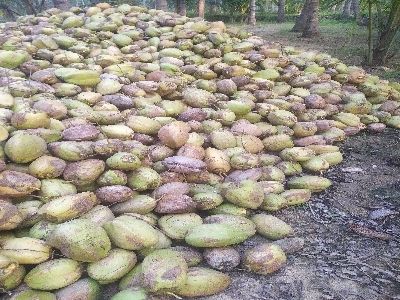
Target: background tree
x,y
12,9
311,28
346,13
181,7
201,5
162,5
62,4
252,13
302,18
355,7
370,42
8,12
281,11
387,35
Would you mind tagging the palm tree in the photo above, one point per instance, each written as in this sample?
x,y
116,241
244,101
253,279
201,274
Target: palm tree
x,y
201,4
62,4
281,11
181,7
252,13
302,18
312,25
387,35
346,13
355,6
162,5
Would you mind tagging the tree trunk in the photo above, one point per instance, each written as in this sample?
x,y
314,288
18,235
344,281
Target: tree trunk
x,y
9,14
312,25
380,18
355,7
201,5
61,4
386,37
181,7
369,57
252,13
162,5
30,8
281,11
302,18
347,9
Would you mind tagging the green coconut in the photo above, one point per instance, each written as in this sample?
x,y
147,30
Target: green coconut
x,y
247,193
271,227
23,148
67,207
54,188
164,270
140,204
130,294
273,202
123,161
8,268
133,279
215,235
229,208
99,214
47,167
203,282
269,74
81,240
12,59
26,250
143,179
113,267
54,274
78,77
131,233
85,288
264,259
14,279
33,294
176,226
312,183
41,230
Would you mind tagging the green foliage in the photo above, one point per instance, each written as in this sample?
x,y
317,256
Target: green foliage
x,y
227,10
12,9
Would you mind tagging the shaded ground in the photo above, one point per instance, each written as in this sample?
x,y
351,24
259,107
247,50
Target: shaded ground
x,y
344,40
